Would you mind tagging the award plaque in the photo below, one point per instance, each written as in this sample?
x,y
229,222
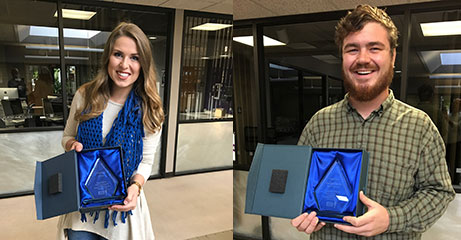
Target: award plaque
x,y
101,182
288,180
85,181
333,193
101,178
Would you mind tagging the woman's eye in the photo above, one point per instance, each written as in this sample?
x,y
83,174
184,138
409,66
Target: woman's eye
x,y
117,54
135,58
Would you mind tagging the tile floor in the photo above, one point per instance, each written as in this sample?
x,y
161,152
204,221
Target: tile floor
x,y
197,206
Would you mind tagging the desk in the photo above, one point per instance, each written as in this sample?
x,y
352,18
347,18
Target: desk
x,y
37,110
13,122
52,121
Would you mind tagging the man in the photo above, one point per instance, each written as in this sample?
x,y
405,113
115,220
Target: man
x,y
409,187
17,82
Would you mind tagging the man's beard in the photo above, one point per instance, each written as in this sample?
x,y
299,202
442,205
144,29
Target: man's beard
x,y
367,93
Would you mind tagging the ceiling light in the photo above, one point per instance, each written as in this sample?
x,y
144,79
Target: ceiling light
x,y
67,48
55,57
68,32
211,26
76,14
453,58
441,28
153,38
445,76
279,67
267,41
447,86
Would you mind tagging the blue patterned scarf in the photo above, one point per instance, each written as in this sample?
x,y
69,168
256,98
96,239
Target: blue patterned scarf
x,y
127,131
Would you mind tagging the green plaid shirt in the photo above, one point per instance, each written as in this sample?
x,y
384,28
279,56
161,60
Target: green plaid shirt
x,y
407,171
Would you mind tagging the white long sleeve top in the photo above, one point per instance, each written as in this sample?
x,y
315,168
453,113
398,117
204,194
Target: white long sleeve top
x,y
138,225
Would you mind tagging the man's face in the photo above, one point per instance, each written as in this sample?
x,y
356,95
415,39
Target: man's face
x,y
367,62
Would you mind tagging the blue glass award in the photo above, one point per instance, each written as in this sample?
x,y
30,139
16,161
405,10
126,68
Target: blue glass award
x,y
101,182
334,192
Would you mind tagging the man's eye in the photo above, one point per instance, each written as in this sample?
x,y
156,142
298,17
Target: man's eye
x,y
353,50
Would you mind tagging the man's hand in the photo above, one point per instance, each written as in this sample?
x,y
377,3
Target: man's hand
x,y
373,222
307,223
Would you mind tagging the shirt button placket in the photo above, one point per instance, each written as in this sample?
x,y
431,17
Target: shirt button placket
x,y
359,137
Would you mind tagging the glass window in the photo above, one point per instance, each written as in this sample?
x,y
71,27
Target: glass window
x,y
246,99
206,79
304,76
434,74
28,66
204,142
246,96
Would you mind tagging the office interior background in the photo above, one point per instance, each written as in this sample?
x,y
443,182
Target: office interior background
x,y
46,57
203,76
49,48
287,67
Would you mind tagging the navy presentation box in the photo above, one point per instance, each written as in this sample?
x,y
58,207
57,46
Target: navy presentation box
x,y
83,181
287,180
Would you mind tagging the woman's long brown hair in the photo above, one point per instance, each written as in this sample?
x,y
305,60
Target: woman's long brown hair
x,y
96,93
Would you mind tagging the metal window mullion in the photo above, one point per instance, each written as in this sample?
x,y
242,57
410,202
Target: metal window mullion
x,y
62,61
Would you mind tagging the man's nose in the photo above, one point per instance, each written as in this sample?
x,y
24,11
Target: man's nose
x,y
363,57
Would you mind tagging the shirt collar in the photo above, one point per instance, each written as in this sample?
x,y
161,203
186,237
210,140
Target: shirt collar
x,y
384,106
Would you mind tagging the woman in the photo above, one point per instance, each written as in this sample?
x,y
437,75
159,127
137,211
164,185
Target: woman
x,y
121,106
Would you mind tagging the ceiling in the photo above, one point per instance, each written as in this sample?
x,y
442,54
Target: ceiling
x,y
214,6
248,9
310,46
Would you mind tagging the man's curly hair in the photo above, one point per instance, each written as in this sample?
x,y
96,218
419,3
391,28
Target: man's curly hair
x,y
354,21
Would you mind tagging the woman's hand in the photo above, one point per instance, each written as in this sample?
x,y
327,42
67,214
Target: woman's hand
x,y
73,144
130,200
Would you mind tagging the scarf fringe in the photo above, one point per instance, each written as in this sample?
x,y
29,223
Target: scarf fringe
x,y
106,219
123,217
114,217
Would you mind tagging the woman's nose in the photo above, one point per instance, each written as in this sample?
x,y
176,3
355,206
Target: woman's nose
x,y
124,62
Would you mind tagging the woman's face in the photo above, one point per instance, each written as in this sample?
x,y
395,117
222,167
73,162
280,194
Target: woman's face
x,y
124,65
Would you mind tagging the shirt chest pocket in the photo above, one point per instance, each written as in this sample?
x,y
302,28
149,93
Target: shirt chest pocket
x,y
393,178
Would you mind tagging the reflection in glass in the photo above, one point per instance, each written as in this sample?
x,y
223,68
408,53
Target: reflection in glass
x,y
206,78
434,75
101,182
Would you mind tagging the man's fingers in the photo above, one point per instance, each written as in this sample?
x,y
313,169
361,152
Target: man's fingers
x,y
298,220
319,226
362,230
313,224
365,200
358,221
309,223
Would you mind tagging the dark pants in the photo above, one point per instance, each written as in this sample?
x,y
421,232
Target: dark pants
x,y
82,235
